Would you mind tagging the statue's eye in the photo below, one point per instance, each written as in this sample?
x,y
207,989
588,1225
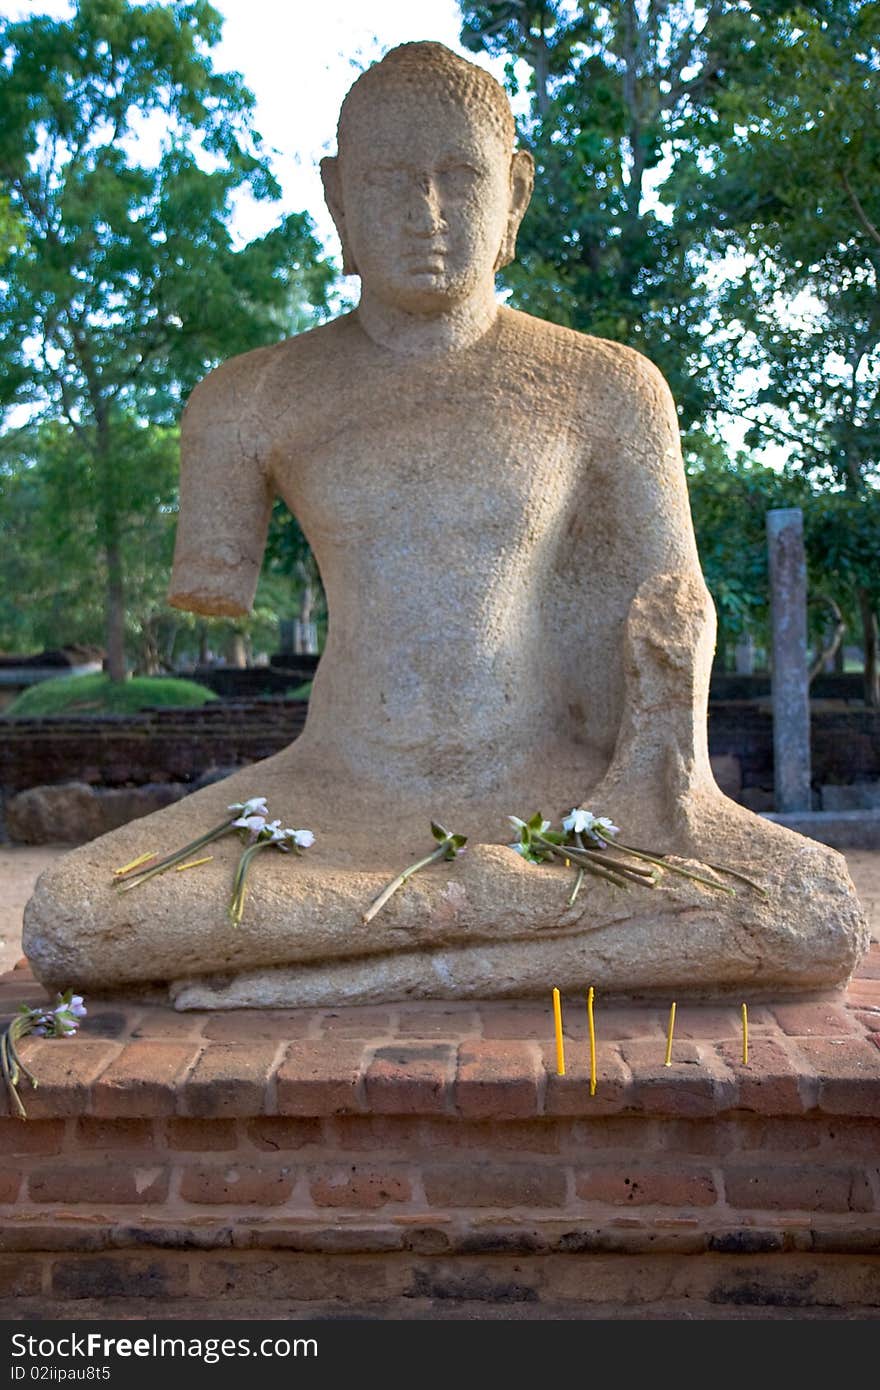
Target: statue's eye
x,y
457,180
389,177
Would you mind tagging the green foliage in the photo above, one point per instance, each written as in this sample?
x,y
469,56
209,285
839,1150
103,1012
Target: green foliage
x,y
121,151
97,694
612,86
788,180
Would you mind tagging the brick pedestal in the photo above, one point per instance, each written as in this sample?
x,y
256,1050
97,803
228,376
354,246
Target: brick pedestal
x,y
426,1160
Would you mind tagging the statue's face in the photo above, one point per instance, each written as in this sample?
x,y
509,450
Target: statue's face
x,y
425,191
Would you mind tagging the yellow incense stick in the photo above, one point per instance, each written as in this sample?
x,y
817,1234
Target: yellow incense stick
x,y
194,863
668,1062
557,1018
135,863
745,1016
592,1042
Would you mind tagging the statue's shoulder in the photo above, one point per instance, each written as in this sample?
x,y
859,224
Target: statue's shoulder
x,y
250,379
601,363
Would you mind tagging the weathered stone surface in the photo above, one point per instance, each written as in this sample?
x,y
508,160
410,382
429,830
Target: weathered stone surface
x,y
518,622
74,813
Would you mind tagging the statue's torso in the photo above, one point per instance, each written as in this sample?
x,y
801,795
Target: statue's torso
x,y
465,518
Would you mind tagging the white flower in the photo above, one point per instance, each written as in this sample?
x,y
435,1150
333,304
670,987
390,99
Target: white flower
x,y
256,806
289,838
578,820
255,824
606,826
516,822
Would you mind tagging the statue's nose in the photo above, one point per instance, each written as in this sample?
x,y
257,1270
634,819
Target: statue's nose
x,y
425,215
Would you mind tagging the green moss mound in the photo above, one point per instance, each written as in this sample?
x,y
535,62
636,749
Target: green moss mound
x,y
97,694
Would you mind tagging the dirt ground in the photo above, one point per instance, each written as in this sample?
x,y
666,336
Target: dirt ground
x,y
20,866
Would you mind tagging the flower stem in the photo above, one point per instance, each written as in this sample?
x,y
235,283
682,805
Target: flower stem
x,y
171,859
664,863
401,879
236,906
577,887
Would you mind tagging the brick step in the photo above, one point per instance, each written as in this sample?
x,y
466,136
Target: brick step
x,y
429,1155
206,1282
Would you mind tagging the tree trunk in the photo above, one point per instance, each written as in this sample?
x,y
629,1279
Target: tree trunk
x,y
869,645
115,659
237,650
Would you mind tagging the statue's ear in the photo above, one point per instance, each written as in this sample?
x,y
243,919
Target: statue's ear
x,y
333,197
522,181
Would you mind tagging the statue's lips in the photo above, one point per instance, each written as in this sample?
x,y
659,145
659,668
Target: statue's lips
x,y
426,261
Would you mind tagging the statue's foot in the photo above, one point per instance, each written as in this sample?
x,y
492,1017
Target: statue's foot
x,y
487,924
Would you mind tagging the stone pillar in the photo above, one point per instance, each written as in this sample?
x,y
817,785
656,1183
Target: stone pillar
x,y
789,659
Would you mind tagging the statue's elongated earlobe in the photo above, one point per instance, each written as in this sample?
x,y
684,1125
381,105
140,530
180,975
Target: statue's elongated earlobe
x,y
333,197
522,181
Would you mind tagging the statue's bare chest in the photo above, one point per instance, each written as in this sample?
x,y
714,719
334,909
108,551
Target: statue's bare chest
x,y
455,453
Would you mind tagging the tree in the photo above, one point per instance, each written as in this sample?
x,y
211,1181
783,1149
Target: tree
x,y
52,564
120,283
613,86
789,184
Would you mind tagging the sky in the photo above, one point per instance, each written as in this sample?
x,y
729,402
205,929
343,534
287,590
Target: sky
x,y
299,59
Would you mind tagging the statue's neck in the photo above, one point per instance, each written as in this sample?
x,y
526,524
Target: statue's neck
x,y
422,335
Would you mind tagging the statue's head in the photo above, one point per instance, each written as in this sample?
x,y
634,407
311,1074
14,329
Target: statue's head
x,y
427,191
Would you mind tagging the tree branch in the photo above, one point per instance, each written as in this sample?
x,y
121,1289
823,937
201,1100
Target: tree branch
x,y
860,213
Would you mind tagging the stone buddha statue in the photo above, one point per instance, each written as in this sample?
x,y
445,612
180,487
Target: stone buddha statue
x,y
517,623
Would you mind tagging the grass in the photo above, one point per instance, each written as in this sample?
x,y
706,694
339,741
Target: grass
x,y
97,694
300,692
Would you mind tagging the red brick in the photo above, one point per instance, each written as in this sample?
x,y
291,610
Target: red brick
x,y
864,994
499,1080
157,1275
362,1133
411,1079
290,1276
848,1073
807,1187
525,1022
450,1022
869,966
104,1022
789,1135
230,1079
361,1188
238,1184
260,1025
703,1022
846,1138
9,1185
92,1133
570,1094
64,1068
201,1136
321,1078
284,1132
814,1020
170,1026
869,1019
103,1184
630,1184
22,1232
30,1137
144,1079
536,1136
20,1276
770,1082
364,1023
695,1083
490,1184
